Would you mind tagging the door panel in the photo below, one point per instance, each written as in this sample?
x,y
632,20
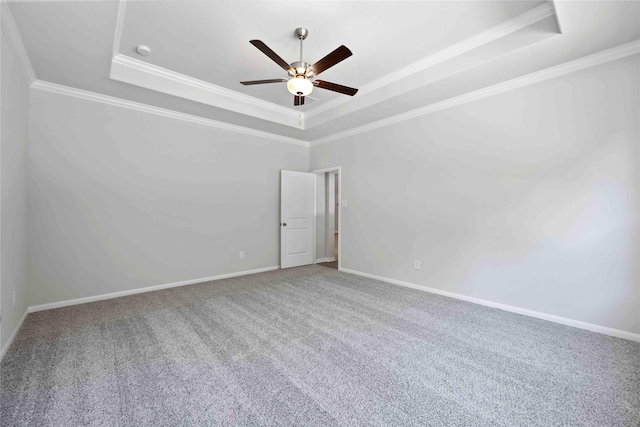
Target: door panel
x,y
297,241
297,206
296,218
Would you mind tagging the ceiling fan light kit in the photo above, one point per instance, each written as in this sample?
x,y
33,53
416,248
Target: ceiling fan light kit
x,y
300,86
301,73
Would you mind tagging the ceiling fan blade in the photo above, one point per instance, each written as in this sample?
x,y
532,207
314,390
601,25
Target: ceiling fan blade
x,y
260,82
298,100
335,87
271,54
340,54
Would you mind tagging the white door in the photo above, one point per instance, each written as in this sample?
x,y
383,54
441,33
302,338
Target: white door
x,y
297,244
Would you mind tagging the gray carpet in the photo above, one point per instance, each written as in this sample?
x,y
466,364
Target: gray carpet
x,y
311,346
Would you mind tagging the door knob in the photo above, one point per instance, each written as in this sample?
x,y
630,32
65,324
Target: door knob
x,y
284,224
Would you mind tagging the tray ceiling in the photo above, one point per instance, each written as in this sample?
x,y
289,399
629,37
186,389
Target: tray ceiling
x,y
406,55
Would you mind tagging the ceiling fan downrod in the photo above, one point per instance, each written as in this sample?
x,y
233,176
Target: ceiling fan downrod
x,y
301,69
301,34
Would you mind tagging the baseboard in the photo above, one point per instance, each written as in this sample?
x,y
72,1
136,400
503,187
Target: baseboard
x,y
532,313
319,260
13,335
112,295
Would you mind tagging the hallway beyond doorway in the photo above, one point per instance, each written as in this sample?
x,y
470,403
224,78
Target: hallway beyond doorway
x,y
332,264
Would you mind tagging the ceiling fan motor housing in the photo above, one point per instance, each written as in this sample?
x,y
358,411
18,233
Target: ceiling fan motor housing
x,y
301,69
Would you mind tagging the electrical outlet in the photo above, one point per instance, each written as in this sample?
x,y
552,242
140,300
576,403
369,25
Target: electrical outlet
x,y
14,298
416,264
241,256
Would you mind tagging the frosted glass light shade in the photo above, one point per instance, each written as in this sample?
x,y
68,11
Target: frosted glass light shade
x,y
300,86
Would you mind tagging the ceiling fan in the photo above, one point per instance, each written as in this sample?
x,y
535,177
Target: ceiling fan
x,y
301,74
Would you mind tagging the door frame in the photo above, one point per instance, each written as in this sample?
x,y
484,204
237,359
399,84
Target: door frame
x,y
315,209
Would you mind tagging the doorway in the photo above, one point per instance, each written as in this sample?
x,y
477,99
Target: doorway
x,y
328,197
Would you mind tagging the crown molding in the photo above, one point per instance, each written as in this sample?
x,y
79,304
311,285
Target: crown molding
x,y
602,57
496,32
119,102
143,74
12,34
122,7
200,84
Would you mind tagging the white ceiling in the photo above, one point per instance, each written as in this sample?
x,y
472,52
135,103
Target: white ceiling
x,y
405,54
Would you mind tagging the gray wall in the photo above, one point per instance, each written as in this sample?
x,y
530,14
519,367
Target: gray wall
x,y
121,199
13,189
527,198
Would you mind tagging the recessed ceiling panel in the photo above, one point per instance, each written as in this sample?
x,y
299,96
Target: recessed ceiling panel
x,y
210,40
